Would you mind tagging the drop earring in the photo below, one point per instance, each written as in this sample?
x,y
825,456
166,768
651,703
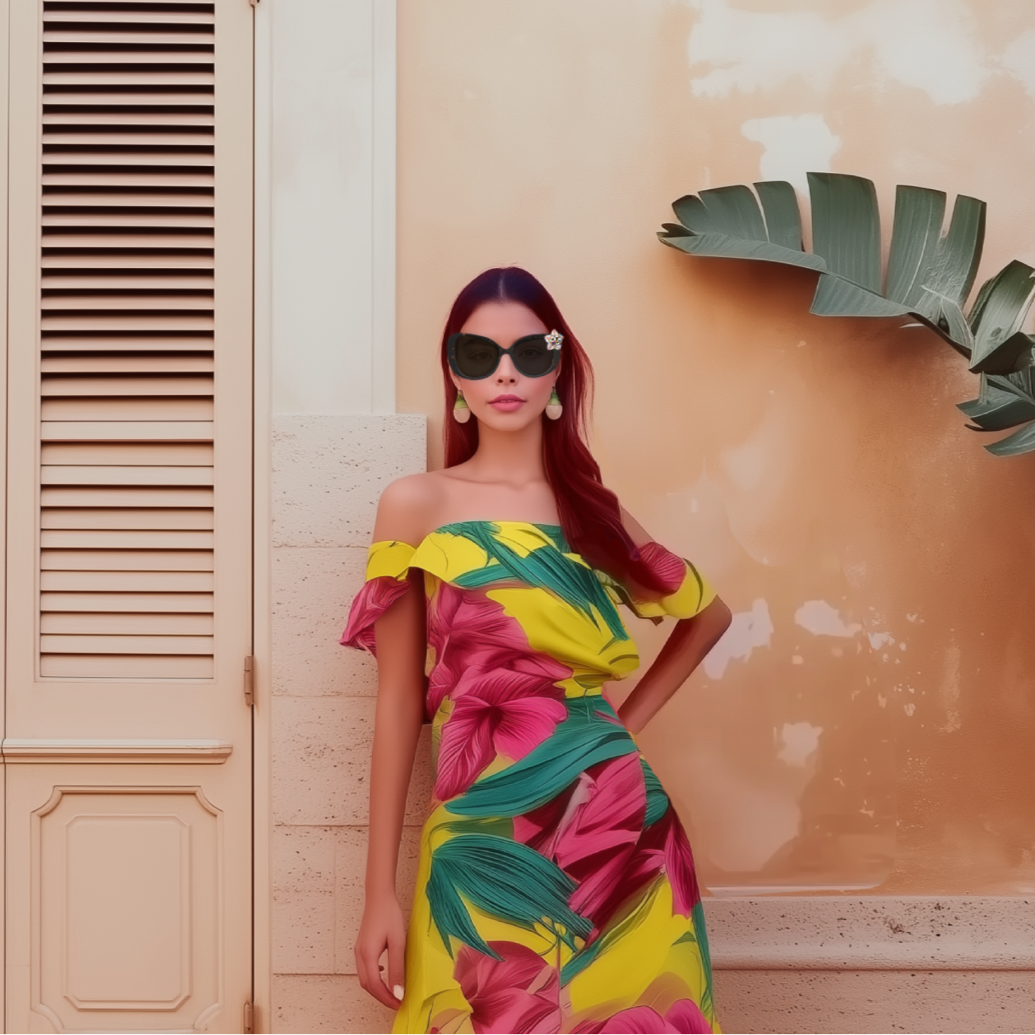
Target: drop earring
x,y
461,411
554,409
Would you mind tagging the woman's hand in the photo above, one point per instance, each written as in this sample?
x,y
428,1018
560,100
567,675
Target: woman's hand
x,y
382,928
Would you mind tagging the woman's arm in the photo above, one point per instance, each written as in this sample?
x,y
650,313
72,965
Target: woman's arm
x,y
684,650
401,639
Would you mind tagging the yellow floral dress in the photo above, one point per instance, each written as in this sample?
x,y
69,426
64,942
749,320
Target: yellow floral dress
x,y
556,890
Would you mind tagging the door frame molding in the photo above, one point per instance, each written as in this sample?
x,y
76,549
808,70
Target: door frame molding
x,y
372,352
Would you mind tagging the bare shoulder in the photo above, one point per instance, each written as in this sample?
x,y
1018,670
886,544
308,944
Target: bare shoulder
x,y
407,507
637,532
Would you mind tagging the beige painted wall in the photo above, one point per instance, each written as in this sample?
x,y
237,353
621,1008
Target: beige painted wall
x,y
816,469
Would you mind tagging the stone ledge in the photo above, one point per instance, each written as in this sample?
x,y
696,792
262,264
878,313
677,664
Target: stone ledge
x,y
915,933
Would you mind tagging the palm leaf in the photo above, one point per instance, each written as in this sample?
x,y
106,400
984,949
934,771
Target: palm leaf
x,y
917,228
846,227
1005,402
582,740
996,409
1001,306
958,253
780,208
1022,441
506,880
929,276
727,210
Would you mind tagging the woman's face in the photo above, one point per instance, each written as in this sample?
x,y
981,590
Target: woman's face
x,y
506,400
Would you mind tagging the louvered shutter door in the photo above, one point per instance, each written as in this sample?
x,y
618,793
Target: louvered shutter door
x,y
129,354
126,340
127,343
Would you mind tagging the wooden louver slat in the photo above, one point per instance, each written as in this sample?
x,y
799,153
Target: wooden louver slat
x,y
127,250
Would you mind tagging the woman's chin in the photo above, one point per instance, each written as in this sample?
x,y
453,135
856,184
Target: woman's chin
x,y
516,420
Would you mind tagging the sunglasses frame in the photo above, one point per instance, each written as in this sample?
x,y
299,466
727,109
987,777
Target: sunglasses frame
x,y
453,340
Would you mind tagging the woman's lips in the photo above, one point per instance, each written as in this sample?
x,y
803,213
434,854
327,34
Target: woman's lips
x,y
507,403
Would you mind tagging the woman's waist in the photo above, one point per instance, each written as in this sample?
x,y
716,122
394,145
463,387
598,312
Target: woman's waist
x,y
510,761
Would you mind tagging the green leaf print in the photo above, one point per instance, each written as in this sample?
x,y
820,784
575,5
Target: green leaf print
x,y
493,826
657,799
582,740
505,879
697,918
548,568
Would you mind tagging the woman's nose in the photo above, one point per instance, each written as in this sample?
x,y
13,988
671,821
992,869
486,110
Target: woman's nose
x,y
505,372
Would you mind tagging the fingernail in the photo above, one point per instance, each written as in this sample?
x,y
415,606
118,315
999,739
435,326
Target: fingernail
x,y
397,991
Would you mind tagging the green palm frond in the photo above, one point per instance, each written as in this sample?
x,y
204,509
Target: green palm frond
x,y
1004,402
929,275
506,880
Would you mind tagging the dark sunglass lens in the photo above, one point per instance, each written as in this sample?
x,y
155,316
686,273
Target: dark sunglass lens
x,y
476,357
533,358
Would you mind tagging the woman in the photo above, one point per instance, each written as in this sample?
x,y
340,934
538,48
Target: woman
x,y
556,889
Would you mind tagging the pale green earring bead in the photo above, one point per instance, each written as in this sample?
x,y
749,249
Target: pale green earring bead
x,y
554,409
461,411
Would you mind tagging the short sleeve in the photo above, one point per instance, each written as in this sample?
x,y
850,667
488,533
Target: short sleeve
x,y
388,564
687,592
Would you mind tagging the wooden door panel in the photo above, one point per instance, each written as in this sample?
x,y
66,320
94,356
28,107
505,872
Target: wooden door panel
x,y
127,898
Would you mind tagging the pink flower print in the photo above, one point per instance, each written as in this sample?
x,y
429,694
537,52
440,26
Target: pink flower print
x,y
468,631
374,598
663,847
595,839
684,1016
665,565
501,712
666,840
519,993
679,865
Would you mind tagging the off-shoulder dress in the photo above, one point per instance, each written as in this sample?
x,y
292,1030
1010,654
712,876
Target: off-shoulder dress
x,y
556,890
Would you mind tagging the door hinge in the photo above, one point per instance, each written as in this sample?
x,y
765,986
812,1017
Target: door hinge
x,y
249,1019
249,681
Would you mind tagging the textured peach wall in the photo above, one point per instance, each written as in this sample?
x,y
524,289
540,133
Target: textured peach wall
x,y
868,720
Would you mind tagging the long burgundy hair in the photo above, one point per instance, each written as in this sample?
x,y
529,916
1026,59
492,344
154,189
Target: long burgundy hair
x,y
589,511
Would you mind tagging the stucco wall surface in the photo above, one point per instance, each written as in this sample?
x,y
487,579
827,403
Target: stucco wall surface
x,y
867,721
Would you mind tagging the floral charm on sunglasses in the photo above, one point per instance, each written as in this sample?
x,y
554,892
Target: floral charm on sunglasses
x,y
553,340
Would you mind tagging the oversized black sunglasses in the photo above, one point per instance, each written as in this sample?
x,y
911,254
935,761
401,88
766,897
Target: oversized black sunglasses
x,y
473,357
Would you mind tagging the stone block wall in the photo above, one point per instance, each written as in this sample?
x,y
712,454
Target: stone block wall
x,y
328,473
